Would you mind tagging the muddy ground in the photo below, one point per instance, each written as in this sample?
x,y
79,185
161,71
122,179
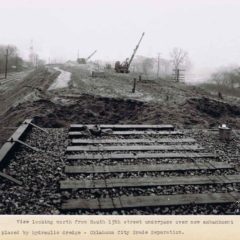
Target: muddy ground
x,y
110,100
105,100
196,112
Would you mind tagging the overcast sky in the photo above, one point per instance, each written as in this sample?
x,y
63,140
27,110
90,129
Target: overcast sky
x,y
208,30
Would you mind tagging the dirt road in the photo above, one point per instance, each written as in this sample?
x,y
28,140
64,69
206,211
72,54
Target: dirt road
x,y
19,87
12,80
62,80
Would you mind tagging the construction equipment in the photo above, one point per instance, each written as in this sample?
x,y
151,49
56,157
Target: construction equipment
x,y
84,60
124,67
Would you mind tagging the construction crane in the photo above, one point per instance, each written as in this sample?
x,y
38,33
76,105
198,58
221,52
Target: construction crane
x,y
124,67
84,60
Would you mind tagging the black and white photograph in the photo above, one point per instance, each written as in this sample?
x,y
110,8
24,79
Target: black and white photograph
x,y
119,107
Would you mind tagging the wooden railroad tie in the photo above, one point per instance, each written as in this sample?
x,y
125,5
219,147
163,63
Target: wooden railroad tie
x,y
124,127
147,168
135,140
117,156
148,181
135,148
127,133
123,202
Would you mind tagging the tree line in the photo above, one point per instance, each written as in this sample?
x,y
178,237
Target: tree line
x,y
160,66
229,78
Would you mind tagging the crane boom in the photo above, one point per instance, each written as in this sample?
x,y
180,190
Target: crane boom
x,y
135,50
91,55
124,67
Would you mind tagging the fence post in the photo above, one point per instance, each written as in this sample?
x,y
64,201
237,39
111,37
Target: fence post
x,y
134,85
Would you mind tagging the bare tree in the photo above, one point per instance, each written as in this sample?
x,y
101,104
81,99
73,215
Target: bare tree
x,y
179,58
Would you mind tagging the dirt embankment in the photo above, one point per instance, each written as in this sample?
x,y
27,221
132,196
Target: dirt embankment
x,y
24,92
178,104
37,81
87,109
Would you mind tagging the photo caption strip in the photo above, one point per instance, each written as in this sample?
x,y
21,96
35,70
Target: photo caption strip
x,y
119,227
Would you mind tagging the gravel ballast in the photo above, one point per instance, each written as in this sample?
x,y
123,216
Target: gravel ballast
x,y
42,171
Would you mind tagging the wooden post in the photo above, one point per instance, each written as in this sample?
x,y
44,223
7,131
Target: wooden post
x,y
134,85
6,63
178,75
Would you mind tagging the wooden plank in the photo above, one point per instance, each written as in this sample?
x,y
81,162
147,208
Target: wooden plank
x,y
3,175
9,146
123,202
148,168
28,146
135,140
149,181
41,129
126,133
134,148
117,156
123,127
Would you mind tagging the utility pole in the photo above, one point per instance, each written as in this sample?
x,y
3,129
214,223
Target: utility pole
x,y
158,65
6,62
32,54
35,61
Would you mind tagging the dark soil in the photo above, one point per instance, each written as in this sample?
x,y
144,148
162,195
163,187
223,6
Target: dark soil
x,y
213,108
87,109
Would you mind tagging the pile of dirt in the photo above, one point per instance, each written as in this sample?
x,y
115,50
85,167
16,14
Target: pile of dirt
x,y
214,108
88,109
214,112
